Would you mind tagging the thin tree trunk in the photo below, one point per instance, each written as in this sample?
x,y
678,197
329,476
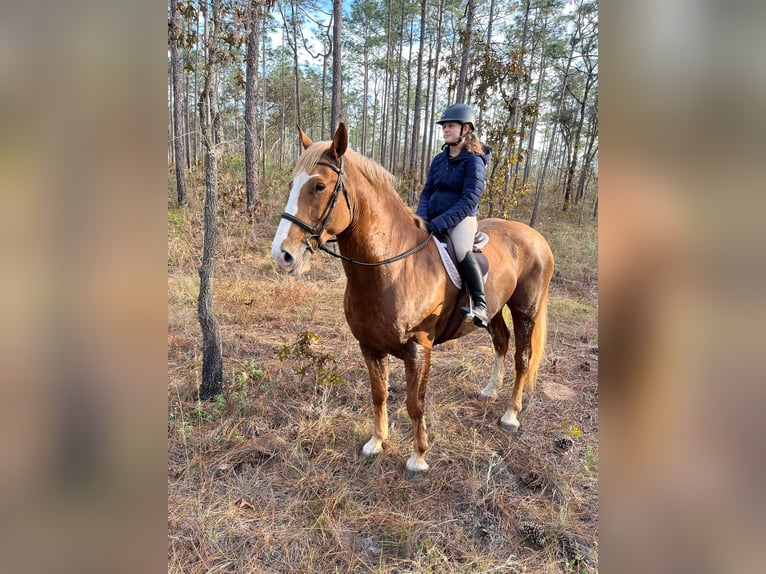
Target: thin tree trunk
x,y
251,94
590,153
538,96
397,107
374,121
418,102
212,356
178,135
408,99
296,68
384,111
578,132
365,95
335,113
541,178
263,104
488,42
431,129
466,44
283,121
187,119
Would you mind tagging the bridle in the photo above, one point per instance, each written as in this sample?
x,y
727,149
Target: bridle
x,y
316,233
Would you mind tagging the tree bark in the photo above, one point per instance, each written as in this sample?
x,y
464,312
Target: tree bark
x,y
290,31
251,94
418,101
178,131
541,178
335,113
466,45
576,145
212,356
590,153
426,160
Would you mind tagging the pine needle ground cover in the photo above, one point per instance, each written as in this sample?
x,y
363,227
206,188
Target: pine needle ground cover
x,y
269,476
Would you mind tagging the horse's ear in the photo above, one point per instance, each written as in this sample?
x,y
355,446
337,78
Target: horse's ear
x,y
305,140
340,140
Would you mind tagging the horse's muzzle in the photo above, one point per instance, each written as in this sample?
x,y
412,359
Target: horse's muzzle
x,y
292,263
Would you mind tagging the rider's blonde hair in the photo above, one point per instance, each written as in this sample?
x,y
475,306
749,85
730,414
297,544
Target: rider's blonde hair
x,y
472,143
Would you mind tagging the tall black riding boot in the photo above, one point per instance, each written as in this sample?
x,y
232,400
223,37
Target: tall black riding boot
x,y
471,274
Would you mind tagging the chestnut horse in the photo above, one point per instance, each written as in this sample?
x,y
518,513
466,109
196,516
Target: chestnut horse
x,y
398,296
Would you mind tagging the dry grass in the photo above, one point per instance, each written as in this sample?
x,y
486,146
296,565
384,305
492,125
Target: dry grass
x,y
269,477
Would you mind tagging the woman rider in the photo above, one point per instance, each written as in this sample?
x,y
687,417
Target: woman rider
x,y
450,199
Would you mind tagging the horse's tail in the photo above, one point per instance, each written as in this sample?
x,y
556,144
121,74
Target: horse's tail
x,y
539,334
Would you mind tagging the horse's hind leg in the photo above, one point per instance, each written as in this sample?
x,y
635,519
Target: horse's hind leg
x,y
377,365
500,339
523,327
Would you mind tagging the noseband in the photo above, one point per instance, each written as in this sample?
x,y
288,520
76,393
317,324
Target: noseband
x,y
316,233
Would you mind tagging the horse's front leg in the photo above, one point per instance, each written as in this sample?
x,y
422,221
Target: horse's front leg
x,y
377,365
417,363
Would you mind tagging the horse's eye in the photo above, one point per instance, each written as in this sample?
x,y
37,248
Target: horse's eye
x,y
320,187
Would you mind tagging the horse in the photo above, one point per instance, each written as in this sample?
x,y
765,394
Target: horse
x,y
398,296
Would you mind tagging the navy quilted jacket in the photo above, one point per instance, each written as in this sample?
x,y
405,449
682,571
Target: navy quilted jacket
x,y
453,189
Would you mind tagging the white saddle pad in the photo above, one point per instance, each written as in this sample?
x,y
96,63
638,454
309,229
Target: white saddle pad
x,y
449,265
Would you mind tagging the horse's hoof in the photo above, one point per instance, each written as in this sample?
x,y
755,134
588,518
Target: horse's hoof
x,y
371,448
415,469
509,423
488,394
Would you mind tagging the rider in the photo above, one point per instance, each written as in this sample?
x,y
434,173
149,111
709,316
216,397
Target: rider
x,y
449,202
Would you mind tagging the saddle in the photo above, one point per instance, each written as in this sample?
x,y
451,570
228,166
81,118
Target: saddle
x,y
447,252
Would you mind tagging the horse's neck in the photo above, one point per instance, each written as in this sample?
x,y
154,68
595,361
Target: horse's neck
x,y
381,227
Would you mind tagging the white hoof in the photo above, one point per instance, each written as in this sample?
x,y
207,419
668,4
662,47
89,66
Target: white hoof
x,y
489,392
415,468
509,421
415,465
372,447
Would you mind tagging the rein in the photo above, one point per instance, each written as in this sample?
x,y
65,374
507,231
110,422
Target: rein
x,y
316,234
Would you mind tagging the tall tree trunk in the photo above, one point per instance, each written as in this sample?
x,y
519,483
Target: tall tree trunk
x,y
212,356
251,94
296,68
408,99
365,95
590,153
178,131
466,45
385,103
335,113
187,118
488,46
569,183
533,127
559,105
440,15
374,122
396,104
418,102
283,121
323,102
263,103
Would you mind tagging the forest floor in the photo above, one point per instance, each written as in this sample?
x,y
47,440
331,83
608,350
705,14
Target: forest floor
x,y
269,477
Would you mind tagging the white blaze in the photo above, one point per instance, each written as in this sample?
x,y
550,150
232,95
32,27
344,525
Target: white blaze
x,y
292,208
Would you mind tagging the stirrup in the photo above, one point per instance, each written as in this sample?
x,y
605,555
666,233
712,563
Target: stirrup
x,y
470,316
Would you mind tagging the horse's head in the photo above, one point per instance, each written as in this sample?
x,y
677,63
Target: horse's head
x,y
318,205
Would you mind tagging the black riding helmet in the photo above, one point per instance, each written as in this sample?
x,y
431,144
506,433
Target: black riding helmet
x,y
461,113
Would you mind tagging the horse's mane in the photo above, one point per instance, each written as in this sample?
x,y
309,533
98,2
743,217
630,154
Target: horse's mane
x,y
373,171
